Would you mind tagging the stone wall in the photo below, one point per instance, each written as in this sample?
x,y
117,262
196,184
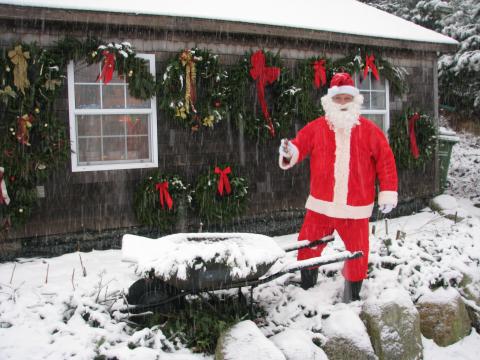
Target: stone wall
x,y
92,209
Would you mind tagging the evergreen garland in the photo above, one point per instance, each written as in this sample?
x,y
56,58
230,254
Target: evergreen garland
x,y
243,104
209,108
399,139
214,207
32,140
148,208
355,63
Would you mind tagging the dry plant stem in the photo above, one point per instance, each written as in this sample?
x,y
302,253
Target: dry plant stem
x,y
73,276
84,270
13,271
46,276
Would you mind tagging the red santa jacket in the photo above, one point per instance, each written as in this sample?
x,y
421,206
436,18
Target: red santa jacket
x,y
343,168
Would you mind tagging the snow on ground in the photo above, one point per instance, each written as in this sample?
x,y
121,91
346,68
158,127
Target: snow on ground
x,y
68,315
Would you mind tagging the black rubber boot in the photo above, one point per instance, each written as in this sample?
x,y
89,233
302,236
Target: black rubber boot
x,y
351,292
309,278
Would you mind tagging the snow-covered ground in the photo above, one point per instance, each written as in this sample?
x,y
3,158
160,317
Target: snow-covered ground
x,y
52,309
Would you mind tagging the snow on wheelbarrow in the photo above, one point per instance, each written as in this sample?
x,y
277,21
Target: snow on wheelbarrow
x,y
178,265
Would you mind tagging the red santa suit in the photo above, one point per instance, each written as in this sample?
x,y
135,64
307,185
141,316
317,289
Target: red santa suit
x,y
344,164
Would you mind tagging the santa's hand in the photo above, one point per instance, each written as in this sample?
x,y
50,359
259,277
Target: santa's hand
x,y
386,208
285,150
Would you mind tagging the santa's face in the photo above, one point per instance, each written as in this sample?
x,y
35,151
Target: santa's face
x,y
342,110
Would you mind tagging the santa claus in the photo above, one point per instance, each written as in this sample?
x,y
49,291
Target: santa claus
x,y
347,153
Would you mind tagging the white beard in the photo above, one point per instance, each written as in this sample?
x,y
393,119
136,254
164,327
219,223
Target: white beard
x,y
342,116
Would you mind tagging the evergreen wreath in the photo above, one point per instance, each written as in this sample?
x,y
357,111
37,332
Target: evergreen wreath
x,y
243,104
355,63
399,138
149,209
32,140
214,207
193,89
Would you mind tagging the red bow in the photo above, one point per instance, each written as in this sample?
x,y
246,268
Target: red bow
x,y
320,76
108,67
223,182
413,139
370,64
263,75
164,195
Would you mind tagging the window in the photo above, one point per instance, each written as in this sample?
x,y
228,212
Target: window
x,y
109,129
376,100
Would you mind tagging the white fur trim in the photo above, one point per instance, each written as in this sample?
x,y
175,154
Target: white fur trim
x,y
345,89
285,165
388,197
342,166
341,211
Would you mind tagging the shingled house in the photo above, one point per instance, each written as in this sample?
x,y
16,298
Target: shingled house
x,y
89,204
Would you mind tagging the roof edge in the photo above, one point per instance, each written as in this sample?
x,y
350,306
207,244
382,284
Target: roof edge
x,y
173,23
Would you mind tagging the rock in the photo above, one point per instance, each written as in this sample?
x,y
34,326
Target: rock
x,y
393,324
443,316
298,345
347,337
245,341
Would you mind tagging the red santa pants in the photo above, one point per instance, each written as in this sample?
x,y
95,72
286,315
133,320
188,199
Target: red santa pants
x,y
354,233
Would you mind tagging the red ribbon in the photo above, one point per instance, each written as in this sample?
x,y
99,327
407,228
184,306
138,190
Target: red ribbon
x,y
263,75
164,195
319,73
108,67
370,64
223,182
413,139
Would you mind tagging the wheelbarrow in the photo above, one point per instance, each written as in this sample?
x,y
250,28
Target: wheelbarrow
x,y
216,267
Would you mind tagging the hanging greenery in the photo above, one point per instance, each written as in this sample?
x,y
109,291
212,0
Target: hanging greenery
x,y
412,149
160,199
365,61
193,89
220,195
245,106
312,77
32,139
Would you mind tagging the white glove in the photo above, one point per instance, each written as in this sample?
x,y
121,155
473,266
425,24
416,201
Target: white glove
x,y
286,149
386,208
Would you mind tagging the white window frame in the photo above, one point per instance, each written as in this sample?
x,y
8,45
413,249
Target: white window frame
x,y
152,111
386,112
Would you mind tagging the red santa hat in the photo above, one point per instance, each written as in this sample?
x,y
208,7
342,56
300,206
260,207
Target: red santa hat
x,y
342,83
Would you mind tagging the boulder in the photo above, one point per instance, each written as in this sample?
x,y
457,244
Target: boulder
x,y
298,345
243,341
347,337
393,324
443,316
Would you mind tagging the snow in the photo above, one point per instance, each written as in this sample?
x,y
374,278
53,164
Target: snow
x,y
69,315
173,255
339,16
445,202
440,296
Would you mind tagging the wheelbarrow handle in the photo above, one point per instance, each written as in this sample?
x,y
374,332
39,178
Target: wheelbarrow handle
x,y
303,244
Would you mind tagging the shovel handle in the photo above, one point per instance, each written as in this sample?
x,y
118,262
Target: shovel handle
x,y
308,244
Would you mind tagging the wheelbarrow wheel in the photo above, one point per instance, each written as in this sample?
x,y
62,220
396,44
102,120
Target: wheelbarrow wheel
x,y
151,292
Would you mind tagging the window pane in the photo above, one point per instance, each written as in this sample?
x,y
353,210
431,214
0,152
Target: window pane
x,y
378,119
84,73
114,148
113,96
137,103
366,100
89,149
87,96
137,124
89,125
377,100
113,125
378,84
137,147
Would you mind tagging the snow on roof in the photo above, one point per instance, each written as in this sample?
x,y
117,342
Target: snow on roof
x,y
338,16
